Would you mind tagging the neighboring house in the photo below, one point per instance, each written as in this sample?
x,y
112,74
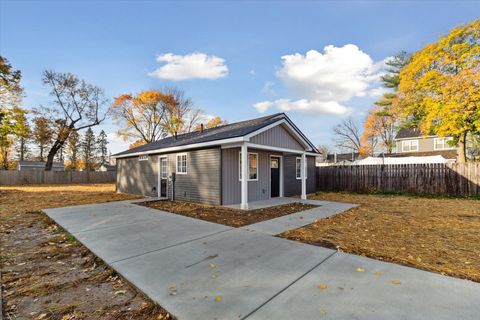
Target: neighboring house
x,y
339,159
410,142
107,168
39,165
207,166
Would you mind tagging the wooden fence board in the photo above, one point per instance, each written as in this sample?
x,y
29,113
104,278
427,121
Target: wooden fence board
x,y
454,179
10,177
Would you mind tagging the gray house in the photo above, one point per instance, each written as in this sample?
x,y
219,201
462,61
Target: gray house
x,y
410,142
208,166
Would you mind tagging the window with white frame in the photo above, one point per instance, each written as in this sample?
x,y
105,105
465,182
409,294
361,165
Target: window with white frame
x,y
143,158
442,143
182,163
252,166
409,145
298,170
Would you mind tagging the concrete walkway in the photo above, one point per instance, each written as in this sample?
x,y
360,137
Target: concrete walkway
x,y
201,270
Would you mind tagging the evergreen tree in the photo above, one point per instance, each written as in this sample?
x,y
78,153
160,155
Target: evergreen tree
x,y
42,134
73,146
102,143
89,149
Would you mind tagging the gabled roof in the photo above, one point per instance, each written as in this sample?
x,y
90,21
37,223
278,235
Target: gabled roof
x,y
405,133
228,131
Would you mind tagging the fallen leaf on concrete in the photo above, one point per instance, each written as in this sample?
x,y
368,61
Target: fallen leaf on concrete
x,y
322,286
212,265
218,298
323,312
377,273
360,269
396,282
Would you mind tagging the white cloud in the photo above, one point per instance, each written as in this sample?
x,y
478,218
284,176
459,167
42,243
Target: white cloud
x,y
190,66
268,88
325,82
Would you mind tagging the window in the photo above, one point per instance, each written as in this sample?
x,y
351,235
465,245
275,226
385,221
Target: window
x,y
163,168
143,158
298,166
252,166
409,145
182,163
442,143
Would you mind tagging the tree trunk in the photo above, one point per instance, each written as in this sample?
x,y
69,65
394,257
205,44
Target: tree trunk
x,y
51,154
41,152
461,157
22,148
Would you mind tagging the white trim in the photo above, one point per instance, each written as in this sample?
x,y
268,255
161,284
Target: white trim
x,y
281,173
446,145
248,167
244,182
413,138
271,148
160,176
186,162
184,147
303,169
410,145
306,168
279,122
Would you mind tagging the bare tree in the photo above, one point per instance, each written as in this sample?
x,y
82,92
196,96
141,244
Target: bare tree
x,y
77,105
348,136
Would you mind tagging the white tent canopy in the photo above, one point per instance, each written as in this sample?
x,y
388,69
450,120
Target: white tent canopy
x,y
402,160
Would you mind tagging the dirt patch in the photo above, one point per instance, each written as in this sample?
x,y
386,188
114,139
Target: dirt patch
x,y
435,234
46,274
227,216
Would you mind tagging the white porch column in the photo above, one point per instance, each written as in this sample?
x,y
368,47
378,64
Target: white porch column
x,y
304,180
244,170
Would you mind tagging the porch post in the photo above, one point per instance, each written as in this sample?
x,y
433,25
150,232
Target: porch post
x,y
244,170
304,180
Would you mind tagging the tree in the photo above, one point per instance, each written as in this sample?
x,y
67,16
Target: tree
x,y
77,105
378,129
10,89
89,149
22,131
441,86
73,146
152,115
42,134
212,123
347,136
102,143
370,134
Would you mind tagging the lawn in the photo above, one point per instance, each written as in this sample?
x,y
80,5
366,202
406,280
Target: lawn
x,y
436,234
46,274
227,216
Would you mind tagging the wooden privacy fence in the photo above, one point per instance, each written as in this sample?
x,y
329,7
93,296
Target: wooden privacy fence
x,y
10,177
452,179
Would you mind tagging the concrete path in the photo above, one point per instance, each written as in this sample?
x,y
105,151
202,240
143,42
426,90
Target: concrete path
x,y
201,270
300,219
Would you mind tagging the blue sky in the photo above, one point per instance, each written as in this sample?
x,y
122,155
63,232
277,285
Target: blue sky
x,y
237,46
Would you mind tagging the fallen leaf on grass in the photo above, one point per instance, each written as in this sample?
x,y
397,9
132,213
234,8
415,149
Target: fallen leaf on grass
x,y
396,282
360,269
322,286
42,316
120,292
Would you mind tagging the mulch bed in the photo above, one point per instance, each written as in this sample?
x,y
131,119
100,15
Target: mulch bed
x,y
435,234
226,216
47,274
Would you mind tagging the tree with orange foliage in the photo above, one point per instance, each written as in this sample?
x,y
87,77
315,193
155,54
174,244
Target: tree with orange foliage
x,y
378,130
440,87
152,115
212,123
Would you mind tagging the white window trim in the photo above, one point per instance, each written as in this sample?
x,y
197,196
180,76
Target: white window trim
x,y
143,158
166,167
186,163
306,168
248,167
410,143
445,140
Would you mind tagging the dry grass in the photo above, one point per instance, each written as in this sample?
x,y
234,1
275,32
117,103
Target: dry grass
x,y
227,216
46,274
435,234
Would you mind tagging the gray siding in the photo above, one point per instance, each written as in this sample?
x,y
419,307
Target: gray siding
x,y
424,145
200,184
257,190
138,177
277,137
292,186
